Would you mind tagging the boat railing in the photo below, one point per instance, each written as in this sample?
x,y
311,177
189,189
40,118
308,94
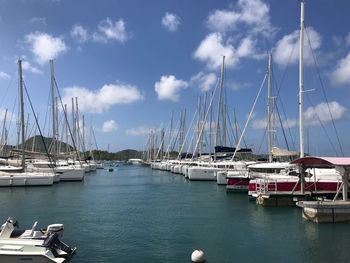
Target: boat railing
x,y
265,186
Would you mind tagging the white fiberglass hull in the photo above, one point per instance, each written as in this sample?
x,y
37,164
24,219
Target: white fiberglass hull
x,y
71,174
202,173
221,178
26,179
177,169
16,251
26,258
63,173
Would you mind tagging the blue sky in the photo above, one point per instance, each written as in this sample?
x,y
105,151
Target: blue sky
x,y
131,63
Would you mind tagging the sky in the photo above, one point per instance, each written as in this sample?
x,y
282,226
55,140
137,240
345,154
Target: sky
x,y
131,64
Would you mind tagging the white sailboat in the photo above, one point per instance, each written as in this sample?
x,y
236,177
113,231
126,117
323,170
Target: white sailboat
x,y
24,178
297,183
63,171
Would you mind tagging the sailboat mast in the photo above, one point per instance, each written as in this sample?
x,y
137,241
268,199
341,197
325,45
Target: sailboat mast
x,y
66,126
77,124
269,119
3,129
199,123
53,109
301,81
210,125
34,137
218,133
22,110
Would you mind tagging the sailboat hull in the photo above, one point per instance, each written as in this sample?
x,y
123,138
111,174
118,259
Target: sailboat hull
x,y
26,179
202,173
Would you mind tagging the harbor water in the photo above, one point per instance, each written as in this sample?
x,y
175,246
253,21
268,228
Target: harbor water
x,y
135,214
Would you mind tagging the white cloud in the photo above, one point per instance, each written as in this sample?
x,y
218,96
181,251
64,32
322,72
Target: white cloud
x,y
338,41
138,131
321,112
204,81
109,126
287,48
111,30
9,117
259,123
235,86
171,21
28,67
79,33
211,50
40,20
168,87
102,99
262,123
213,47
4,75
312,116
253,14
347,39
341,74
247,49
222,20
45,47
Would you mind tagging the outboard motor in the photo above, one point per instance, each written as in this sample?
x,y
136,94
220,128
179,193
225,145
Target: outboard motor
x,y
55,228
53,242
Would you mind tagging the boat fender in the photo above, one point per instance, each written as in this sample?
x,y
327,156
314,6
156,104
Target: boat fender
x,y
197,256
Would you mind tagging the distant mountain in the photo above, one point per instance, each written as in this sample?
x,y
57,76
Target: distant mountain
x,y
123,155
41,142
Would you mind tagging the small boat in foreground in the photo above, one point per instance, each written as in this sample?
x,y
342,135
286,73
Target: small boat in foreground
x,y
41,246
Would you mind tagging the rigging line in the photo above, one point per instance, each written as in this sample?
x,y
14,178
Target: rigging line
x,y
93,135
240,130
286,68
233,130
284,134
263,139
37,123
46,113
323,127
66,118
284,113
250,115
279,86
192,137
172,140
183,144
11,119
233,133
7,88
324,92
162,142
177,136
205,118
31,131
230,134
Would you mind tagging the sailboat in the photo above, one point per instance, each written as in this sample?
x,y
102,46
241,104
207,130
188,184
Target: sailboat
x,y
24,178
207,169
63,171
289,182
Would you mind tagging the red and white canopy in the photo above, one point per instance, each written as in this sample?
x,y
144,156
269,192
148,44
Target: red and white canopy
x,y
322,162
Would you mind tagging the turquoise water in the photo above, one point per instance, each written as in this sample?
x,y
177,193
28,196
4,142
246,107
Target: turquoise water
x,y
135,214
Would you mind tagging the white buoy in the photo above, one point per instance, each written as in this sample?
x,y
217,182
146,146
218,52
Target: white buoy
x,y
197,256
